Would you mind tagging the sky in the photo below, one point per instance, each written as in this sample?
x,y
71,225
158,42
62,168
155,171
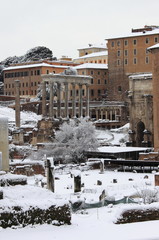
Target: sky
x,y
64,26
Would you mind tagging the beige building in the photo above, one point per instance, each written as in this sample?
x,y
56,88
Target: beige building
x,y
92,54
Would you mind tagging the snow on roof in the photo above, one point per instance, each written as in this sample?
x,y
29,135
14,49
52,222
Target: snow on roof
x,y
92,66
33,65
141,76
136,34
102,45
96,54
153,47
121,149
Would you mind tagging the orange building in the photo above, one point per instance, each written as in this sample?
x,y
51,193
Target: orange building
x,y
99,74
29,75
128,55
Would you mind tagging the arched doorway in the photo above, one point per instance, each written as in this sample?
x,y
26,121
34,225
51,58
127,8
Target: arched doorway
x,y
140,133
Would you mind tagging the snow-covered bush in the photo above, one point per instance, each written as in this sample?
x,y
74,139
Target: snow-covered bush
x,y
149,195
72,140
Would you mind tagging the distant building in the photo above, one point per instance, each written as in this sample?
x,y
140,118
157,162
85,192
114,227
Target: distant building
x,y
99,74
92,54
127,55
29,75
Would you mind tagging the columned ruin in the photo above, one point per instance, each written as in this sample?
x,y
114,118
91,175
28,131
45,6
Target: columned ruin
x,y
66,84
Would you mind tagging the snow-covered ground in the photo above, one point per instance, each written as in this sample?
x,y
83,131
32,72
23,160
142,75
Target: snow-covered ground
x,y
88,224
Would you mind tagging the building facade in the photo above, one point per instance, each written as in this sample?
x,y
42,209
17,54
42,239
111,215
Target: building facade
x,y
127,55
92,54
29,75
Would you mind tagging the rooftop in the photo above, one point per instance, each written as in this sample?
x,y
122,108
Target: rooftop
x,y
102,45
33,66
137,33
92,66
95,54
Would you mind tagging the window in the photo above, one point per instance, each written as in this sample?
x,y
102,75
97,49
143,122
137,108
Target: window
x,y
147,40
135,61
98,81
76,92
118,62
23,84
135,52
25,73
126,61
71,93
91,72
147,60
32,84
105,81
118,43
156,40
105,73
112,44
82,73
99,92
134,41
82,92
92,81
92,92
118,53
126,42
26,84
126,53
119,89
47,71
12,85
38,72
98,73
31,73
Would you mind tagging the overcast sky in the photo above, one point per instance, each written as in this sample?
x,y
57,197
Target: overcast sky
x,y
66,25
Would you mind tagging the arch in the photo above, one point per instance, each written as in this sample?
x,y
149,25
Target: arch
x,y
140,133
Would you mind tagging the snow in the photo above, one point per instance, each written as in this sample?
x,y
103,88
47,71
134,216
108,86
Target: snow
x,y
95,54
154,46
136,34
114,149
141,76
87,224
95,45
9,113
92,65
33,65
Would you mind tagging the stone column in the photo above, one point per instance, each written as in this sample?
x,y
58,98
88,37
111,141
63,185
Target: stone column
x,y
66,100
44,99
97,114
51,105
80,101
58,100
17,103
87,100
4,146
106,114
73,101
110,115
101,112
